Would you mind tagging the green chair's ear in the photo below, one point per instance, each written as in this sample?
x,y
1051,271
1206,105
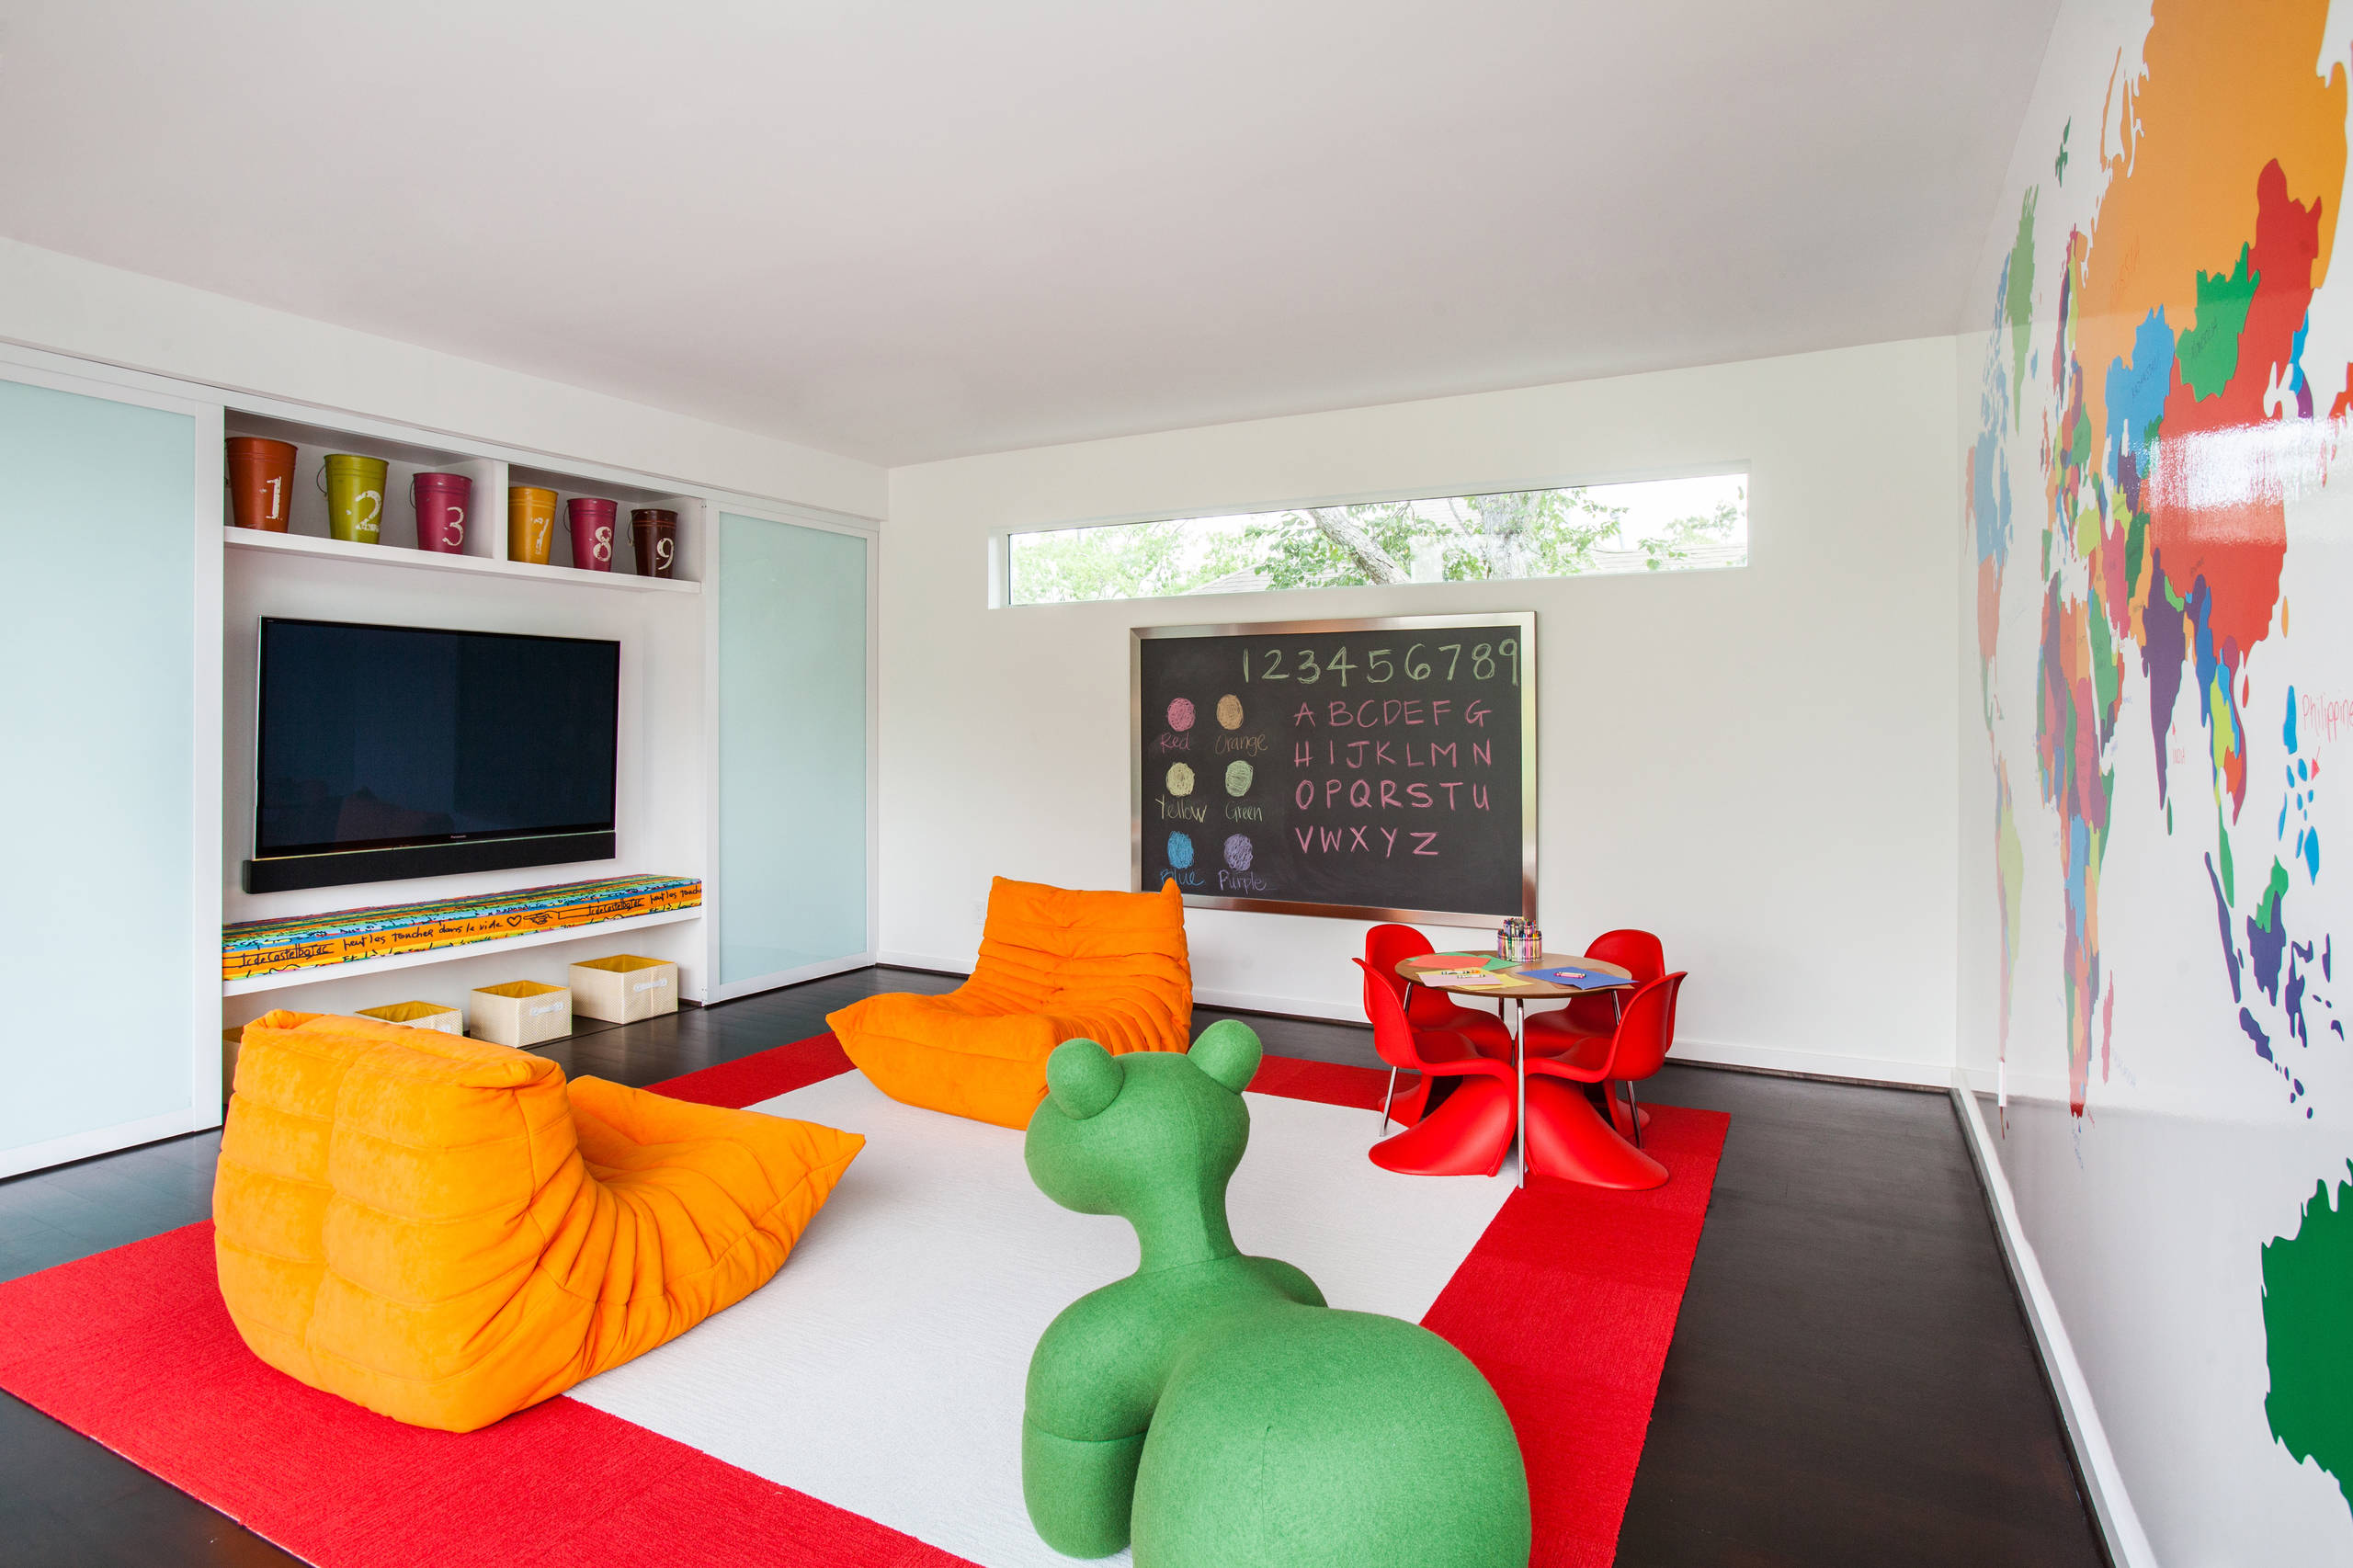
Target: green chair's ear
x,y
1229,1053
1083,1079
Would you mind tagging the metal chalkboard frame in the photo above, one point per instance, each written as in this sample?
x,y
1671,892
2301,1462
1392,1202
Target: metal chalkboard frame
x,y
1525,620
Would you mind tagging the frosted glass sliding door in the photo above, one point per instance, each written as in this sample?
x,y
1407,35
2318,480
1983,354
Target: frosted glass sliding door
x,y
106,792
793,750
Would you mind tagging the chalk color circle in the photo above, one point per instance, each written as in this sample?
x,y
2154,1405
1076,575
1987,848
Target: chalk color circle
x,y
1229,711
1180,851
1180,713
1237,778
1180,780
1237,852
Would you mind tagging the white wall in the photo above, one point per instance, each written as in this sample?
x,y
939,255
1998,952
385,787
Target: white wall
x,y
71,306
1756,764
2178,1186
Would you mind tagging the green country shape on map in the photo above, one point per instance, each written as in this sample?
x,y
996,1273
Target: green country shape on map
x,y
2018,304
2208,355
2308,1330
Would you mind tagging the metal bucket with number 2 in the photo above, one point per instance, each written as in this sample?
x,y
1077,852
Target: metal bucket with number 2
x,y
355,489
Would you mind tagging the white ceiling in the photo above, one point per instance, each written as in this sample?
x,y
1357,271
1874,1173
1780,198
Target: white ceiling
x,y
911,231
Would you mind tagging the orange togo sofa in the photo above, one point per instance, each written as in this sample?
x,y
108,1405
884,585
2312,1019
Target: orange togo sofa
x,y
1055,965
445,1232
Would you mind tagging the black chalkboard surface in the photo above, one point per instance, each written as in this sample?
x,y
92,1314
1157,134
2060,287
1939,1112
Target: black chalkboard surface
x,y
1370,769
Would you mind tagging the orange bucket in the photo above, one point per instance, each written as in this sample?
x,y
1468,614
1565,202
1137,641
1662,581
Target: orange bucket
x,y
261,483
530,523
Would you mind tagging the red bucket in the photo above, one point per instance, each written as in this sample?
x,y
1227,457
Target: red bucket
x,y
655,531
441,500
261,483
592,531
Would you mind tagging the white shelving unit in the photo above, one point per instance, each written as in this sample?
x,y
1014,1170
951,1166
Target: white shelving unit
x,y
485,547
663,783
429,561
363,968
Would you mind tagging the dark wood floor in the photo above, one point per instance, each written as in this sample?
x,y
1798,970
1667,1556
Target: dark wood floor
x,y
1850,1382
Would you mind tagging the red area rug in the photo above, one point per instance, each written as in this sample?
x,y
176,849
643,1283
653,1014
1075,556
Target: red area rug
x,y
1567,1303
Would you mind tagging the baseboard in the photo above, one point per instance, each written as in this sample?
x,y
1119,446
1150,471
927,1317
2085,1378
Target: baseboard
x,y
1281,1007
1753,1058
783,978
104,1141
1813,1063
898,958
2112,1511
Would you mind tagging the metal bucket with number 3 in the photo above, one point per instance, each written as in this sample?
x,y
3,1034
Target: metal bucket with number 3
x,y
440,500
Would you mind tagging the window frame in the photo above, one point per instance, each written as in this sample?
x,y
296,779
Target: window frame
x,y
1000,540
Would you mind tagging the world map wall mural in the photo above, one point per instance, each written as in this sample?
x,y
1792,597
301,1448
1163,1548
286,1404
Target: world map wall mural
x,y
2158,426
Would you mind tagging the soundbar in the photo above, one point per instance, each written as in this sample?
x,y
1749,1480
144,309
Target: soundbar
x,y
285,873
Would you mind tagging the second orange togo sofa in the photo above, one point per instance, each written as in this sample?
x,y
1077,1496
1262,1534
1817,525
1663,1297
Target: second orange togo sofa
x,y
1054,965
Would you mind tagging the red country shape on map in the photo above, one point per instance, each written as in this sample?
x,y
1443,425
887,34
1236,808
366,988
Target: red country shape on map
x,y
2217,506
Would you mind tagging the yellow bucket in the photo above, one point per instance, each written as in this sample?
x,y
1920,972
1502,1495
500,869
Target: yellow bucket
x,y
355,487
530,523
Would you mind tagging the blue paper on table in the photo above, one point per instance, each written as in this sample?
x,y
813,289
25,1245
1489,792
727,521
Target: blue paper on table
x,y
1574,979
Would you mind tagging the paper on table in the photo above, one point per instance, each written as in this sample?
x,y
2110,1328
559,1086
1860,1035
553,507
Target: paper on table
x,y
1574,979
1461,977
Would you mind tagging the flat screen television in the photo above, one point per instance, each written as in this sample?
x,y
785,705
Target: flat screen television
x,y
401,750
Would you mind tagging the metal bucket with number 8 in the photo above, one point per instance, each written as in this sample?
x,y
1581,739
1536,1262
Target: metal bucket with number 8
x,y
592,531
354,491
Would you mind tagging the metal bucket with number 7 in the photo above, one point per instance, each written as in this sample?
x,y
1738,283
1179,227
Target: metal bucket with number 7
x,y
355,489
530,523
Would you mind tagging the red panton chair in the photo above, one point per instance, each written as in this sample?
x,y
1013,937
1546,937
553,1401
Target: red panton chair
x,y
1594,1015
1386,947
1566,1137
1471,1129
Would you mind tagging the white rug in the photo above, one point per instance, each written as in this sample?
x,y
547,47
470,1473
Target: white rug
x,y
882,1369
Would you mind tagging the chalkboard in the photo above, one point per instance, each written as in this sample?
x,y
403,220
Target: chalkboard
x,y
1368,769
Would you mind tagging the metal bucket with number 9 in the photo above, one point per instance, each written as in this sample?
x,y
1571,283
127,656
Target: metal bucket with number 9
x,y
653,530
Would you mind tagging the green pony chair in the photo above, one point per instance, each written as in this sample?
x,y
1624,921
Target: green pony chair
x,y
1209,1408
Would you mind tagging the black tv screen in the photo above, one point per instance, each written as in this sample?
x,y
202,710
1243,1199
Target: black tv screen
x,y
393,751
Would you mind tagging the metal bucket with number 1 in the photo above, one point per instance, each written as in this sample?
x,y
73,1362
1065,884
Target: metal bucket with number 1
x,y
261,483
